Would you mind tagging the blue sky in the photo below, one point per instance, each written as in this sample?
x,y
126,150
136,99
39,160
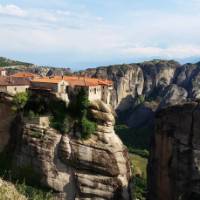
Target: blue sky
x,y
87,33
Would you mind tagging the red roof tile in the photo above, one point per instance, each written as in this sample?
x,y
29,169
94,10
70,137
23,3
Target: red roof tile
x,y
13,81
74,80
24,75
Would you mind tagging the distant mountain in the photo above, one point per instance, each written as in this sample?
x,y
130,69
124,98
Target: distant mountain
x,y
5,62
140,89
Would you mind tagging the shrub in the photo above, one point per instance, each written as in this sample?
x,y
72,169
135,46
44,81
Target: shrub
x,y
79,109
87,128
140,189
20,100
136,138
141,99
33,193
61,124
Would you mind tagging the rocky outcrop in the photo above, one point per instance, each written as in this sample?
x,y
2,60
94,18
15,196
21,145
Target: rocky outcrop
x,y
6,117
128,82
173,95
147,80
97,168
134,80
174,164
158,74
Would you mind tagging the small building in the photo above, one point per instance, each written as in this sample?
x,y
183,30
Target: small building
x,y
51,85
12,86
3,72
97,89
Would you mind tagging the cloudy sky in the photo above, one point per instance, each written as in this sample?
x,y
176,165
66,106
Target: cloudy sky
x,y
87,33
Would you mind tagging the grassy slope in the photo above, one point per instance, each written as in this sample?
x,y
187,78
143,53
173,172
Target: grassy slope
x,y
139,164
7,62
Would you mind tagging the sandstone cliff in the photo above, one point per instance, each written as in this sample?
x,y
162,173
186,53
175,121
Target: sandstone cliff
x,y
96,169
6,119
144,81
174,164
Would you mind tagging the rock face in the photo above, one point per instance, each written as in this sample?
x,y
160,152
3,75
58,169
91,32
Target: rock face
x,y
96,169
128,82
166,82
173,95
135,80
6,117
174,164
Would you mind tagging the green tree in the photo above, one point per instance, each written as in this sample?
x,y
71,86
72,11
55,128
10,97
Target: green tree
x,y
82,103
20,100
87,128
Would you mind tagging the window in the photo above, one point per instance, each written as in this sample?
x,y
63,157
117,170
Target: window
x,y
95,90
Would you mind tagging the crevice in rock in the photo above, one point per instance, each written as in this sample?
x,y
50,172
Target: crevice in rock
x,y
66,173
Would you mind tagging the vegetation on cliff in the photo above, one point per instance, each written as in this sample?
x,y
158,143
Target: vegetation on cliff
x,y
136,139
4,62
20,100
139,165
62,117
79,109
15,187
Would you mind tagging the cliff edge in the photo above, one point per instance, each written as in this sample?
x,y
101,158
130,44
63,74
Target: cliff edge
x,y
174,164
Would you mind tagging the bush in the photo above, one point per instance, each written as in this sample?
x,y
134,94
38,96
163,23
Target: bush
x,y
87,128
140,189
136,138
33,193
61,124
141,99
79,109
20,100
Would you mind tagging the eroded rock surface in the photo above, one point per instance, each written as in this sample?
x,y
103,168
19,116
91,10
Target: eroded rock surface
x,y
93,169
174,165
6,118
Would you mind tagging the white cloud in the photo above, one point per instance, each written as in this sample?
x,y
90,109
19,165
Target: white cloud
x,y
12,10
145,33
176,52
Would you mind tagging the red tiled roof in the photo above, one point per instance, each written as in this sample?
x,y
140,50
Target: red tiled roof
x,y
46,80
85,81
74,80
13,81
24,75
